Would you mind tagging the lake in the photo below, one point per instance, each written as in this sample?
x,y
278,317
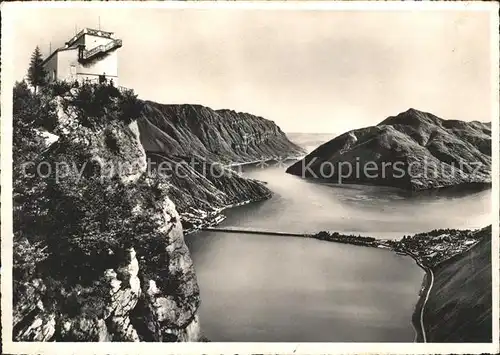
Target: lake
x,y
269,288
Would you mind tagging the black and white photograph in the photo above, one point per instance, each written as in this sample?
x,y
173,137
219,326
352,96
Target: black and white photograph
x,y
241,177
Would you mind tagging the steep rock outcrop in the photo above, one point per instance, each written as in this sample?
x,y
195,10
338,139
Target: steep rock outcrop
x,y
223,136
413,150
100,253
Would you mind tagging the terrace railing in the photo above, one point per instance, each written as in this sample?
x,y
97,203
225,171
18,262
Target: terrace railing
x,y
103,48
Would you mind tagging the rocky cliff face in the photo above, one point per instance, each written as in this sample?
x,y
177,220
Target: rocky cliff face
x,y
413,150
223,136
99,253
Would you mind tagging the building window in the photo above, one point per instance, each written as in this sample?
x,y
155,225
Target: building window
x,y
73,70
54,75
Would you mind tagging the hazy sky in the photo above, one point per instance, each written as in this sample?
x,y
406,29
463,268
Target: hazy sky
x,y
309,71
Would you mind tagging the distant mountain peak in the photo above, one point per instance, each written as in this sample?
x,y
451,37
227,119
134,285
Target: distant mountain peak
x,y
411,110
415,113
412,117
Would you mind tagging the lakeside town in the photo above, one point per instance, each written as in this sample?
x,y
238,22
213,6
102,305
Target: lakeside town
x,y
434,247
428,249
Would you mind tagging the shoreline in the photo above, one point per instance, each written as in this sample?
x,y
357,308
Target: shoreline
x,y
243,203
263,160
424,294
464,186
218,217
417,316
215,217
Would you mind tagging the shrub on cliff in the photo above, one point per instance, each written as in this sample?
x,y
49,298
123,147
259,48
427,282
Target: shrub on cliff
x,y
61,226
29,111
58,88
92,102
130,107
99,104
74,227
27,256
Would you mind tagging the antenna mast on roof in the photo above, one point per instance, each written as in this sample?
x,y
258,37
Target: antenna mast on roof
x,y
99,21
75,30
50,48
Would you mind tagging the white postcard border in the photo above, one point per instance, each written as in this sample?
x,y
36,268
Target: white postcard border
x,y
231,348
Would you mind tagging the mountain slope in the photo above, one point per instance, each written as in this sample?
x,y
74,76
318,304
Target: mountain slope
x,y
459,308
199,188
413,150
196,144
216,135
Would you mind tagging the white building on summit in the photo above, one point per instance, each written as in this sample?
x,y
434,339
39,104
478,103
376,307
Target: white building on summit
x,y
91,55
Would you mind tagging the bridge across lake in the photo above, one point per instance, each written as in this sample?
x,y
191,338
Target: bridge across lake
x,y
354,240
254,231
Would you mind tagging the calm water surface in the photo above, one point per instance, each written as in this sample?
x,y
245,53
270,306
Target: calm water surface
x,y
267,288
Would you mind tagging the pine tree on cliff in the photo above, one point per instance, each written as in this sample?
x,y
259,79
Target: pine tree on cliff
x,y
37,75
